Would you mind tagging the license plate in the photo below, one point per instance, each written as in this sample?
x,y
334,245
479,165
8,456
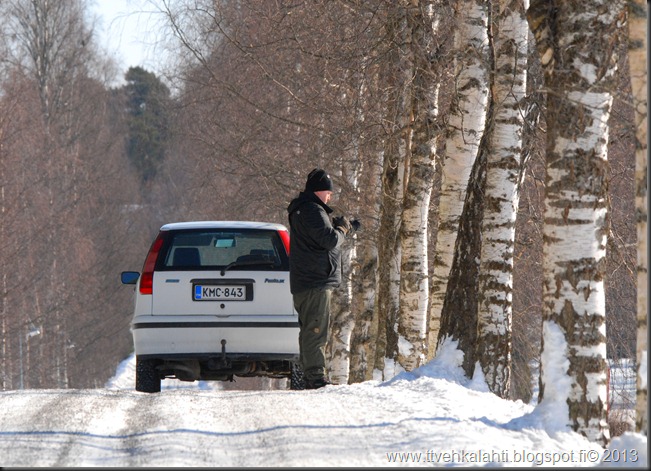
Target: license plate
x,y
219,293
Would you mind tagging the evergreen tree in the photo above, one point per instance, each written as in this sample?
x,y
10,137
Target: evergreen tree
x,y
148,101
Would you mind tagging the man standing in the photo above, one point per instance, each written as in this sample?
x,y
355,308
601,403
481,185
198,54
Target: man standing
x,y
314,270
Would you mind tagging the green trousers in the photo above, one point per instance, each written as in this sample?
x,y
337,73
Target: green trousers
x,y
313,307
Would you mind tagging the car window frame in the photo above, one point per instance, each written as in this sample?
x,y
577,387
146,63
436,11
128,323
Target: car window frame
x,y
169,235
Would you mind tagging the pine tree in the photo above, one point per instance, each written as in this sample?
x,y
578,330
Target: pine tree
x,y
148,107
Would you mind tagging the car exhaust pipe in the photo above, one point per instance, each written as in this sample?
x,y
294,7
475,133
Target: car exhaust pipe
x,y
184,370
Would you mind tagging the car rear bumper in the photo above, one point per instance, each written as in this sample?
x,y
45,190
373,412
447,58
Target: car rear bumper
x,y
180,335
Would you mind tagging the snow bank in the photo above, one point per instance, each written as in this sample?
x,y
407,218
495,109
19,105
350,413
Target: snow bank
x,y
627,450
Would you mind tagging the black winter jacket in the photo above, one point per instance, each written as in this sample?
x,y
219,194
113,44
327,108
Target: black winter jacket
x,y
314,247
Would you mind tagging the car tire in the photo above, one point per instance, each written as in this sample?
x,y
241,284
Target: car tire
x,y
147,378
297,378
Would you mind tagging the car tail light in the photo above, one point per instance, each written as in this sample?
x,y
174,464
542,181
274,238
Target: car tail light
x,y
147,278
284,236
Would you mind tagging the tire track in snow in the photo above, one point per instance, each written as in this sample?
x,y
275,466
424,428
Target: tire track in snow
x,y
140,419
294,424
197,428
114,434
58,421
72,411
76,427
95,426
25,430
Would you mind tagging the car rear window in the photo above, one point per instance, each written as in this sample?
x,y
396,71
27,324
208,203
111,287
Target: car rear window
x,y
211,249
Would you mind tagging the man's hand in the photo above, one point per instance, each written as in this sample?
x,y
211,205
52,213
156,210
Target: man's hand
x,y
342,223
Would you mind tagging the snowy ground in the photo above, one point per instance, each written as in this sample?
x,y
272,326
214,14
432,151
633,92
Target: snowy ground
x,y
430,417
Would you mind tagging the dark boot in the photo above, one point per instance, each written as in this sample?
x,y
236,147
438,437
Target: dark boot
x,y
316,383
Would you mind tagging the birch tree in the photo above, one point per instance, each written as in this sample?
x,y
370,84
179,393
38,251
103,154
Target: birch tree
x,y
48,48
398,76
388,291
5,328
459,313
637,57
504,174
465,128
576,42
413,232
62,218
343,318
367,208
354,314
366,325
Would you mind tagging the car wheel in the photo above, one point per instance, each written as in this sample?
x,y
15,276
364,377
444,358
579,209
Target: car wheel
x,y
296,379
147,378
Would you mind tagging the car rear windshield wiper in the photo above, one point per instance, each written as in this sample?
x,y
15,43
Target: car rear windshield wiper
x,y
260,261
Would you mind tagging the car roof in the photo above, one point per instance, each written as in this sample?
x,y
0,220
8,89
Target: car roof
x,y
222,225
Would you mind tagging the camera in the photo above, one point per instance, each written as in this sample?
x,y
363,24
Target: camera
x,y
355,225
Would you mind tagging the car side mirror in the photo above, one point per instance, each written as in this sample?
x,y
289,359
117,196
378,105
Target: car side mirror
x,y
129,277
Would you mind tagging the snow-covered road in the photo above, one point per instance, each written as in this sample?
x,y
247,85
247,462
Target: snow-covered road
x,y
429,418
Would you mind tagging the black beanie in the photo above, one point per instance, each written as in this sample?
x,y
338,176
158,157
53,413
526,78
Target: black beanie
x,y
318,180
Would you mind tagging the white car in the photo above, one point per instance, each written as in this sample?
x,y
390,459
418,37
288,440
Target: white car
x,y
213,302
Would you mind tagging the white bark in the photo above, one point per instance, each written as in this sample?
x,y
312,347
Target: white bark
x,y
414,283
366,326
413,268
388,292
393,183
637,55
4,331
343,321
466,126
501,196
579,71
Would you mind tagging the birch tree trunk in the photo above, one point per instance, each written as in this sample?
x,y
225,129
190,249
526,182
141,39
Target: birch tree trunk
x,y
466,126
501,195
388,291
412,325
342,323
362,345
5,368
48,40
637,58
366,326
343,319
576,42
393,177
459,313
